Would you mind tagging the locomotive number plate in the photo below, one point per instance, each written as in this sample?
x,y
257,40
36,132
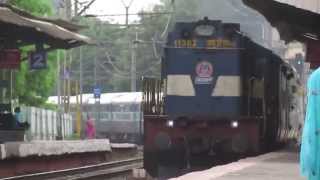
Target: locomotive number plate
x,y
183,43
210,43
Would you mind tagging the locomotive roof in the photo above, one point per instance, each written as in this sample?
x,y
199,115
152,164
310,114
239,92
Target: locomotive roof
x,y
106,98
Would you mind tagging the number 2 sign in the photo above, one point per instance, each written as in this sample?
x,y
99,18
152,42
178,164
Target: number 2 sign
x,y
38,60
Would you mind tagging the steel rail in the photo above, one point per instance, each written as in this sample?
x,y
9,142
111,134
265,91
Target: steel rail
x,y
109,169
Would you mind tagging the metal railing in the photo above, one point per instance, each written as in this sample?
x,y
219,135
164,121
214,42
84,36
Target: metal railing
x,y
153,96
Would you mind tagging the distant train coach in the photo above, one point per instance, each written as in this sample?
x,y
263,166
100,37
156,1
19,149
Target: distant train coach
x,y
117,116
220,94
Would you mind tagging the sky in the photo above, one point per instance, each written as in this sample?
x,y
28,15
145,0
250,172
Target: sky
x,y
101,7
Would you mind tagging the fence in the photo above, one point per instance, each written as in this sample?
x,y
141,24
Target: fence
x,y
45,124
152,99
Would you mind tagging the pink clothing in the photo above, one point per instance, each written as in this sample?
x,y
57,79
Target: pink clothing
x,y
90,129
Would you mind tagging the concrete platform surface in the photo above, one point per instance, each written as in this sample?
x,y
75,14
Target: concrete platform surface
x,y
123,145
51,148
272,166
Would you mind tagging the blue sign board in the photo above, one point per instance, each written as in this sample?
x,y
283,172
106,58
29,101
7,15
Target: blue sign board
x,y
38,60
97,92
66,73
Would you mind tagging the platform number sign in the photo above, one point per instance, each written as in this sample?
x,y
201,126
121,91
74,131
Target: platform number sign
x,y
97,92
38,60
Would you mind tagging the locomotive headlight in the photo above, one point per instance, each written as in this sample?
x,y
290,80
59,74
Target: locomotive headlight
x,y
205,30
234,124
170,123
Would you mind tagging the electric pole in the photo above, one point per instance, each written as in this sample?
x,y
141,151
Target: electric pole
x,y
59,94
65,85
62,84
68,59
68,10
78,108
133,64
127,16
97,100
76,7
95,69
127,6
132,47
81,87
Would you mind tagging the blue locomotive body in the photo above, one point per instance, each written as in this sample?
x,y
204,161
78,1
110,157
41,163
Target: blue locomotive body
x,y
220,93
203,72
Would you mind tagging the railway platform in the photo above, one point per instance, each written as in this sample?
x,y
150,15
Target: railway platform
x,y
282,165
21,158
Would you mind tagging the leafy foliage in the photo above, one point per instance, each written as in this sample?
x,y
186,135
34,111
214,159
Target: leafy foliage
x,y
109,64
114,54
34,87
35,7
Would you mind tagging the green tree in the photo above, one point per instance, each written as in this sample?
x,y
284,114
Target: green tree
x,y
114,53
110,55
34,87
35,7
155,29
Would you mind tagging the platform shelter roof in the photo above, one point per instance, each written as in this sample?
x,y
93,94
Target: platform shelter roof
x,y
20,28
296,20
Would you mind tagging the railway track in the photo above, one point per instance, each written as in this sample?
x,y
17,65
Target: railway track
x,y
99,171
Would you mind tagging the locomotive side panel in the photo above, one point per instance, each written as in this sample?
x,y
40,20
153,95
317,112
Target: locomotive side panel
x,y
268,93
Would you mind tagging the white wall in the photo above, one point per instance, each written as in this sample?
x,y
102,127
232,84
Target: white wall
x,y
44,124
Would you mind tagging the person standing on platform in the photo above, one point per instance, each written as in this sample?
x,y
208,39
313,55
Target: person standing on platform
x,y
17,117
90,128
310,147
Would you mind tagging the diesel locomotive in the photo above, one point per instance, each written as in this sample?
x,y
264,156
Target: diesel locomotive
x,y
220,94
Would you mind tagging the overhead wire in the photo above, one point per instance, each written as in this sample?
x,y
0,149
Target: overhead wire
x,y
122,73
168,21
115,74
155,41
165,31
114,66
131,14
